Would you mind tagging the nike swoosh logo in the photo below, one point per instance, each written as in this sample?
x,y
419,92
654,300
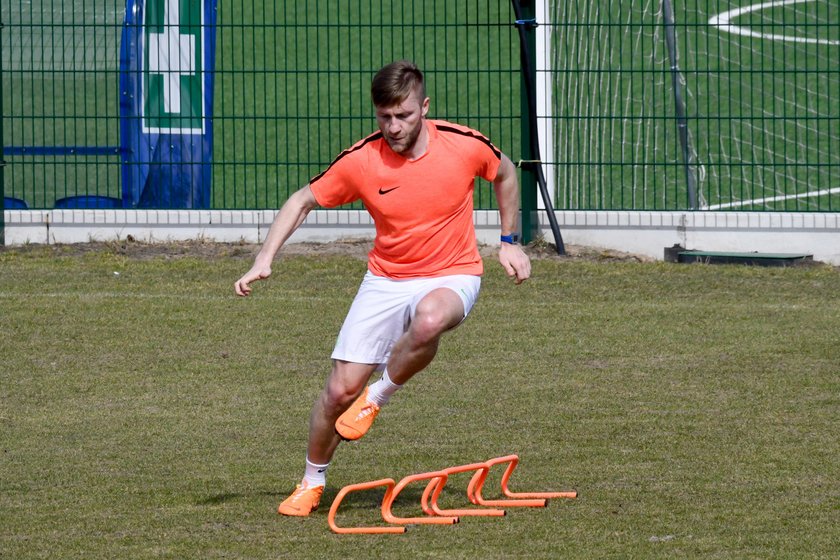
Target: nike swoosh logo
x,y
349,428
386,191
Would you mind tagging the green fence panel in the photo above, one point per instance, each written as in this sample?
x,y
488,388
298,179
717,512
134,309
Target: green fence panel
x,y
60,74
758,85
761,86
293,82
766,85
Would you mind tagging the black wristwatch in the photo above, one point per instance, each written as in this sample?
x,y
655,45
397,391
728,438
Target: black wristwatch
x,y
513,238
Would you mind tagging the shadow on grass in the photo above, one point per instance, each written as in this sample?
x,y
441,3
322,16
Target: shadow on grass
x,y
224,497
409,497
364,499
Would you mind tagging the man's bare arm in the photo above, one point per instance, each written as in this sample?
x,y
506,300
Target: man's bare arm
x,y
506,186
288,219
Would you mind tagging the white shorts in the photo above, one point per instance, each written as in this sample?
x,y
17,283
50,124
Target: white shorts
x,y
383,309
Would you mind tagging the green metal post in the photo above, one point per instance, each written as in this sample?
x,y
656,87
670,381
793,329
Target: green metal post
x,y
2,157
679,103
530,220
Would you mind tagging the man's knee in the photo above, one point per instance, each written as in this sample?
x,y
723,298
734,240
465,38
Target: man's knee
x,y
426,328
345,383
436,315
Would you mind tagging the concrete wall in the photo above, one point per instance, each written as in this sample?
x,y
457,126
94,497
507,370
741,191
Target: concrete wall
x,y
643,233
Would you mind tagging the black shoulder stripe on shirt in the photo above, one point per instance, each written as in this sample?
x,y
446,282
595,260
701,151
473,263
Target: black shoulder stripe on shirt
x,y
372,138
471,134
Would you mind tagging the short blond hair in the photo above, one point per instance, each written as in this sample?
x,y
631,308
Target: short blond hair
x,y
395,82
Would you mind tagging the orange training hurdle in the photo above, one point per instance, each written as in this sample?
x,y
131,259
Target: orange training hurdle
x,y
434,514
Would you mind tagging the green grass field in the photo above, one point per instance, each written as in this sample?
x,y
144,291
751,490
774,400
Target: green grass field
x,y
151,414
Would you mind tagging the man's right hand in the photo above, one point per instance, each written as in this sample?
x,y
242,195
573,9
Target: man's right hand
x,y
287,220
243,285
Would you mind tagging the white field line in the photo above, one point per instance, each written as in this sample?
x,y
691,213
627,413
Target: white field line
x,y
824,192
98,296
723,22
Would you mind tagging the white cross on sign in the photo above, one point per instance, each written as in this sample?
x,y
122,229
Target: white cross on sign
x,y
172,55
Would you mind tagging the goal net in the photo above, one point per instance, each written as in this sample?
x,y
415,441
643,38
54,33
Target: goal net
x,y
760,86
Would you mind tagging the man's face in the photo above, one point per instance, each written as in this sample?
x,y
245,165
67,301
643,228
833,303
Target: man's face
x,y
401,124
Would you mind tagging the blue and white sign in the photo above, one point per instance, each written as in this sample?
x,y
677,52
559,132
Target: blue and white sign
x,y
167,58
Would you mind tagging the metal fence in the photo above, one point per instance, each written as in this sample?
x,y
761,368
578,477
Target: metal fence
x,y
705,104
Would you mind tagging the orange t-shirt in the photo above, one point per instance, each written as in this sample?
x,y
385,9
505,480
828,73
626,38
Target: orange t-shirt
x,y
423,208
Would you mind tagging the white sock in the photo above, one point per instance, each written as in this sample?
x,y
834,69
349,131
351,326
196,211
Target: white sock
x,y
380,392
315,474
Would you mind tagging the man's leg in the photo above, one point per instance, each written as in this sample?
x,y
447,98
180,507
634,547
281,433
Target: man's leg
x,y
345,383
439,311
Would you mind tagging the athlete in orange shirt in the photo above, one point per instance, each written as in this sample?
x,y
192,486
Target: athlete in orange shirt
x,y
415,176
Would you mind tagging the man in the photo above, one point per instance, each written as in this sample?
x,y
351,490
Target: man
x,y
416,178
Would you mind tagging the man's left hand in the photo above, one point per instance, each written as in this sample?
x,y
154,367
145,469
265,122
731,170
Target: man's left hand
x,y
515,261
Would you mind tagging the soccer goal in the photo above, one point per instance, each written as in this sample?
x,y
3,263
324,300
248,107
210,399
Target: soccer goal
x,y
654,99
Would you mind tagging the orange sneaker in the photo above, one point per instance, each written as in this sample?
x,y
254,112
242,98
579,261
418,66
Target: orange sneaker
x,y
303,501
356,420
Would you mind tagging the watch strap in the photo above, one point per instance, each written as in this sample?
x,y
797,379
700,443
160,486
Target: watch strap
x,y
512,238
